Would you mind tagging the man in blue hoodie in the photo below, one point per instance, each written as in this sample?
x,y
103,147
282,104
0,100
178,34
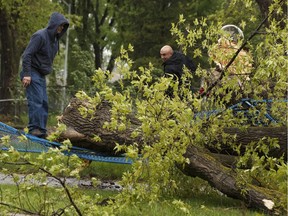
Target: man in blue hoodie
x,y
37,61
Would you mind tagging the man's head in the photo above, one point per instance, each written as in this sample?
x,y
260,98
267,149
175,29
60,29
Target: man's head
x,y
60,28
166,52
57,25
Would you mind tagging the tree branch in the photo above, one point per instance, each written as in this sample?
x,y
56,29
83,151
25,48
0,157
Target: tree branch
x,y
21,209
223,71
65,188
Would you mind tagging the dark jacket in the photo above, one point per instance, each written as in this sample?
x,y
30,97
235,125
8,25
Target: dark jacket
x,y
174,65
43,46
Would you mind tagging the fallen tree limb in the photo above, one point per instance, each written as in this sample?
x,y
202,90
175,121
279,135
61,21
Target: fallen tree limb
x,y
225,180
254,134
82,130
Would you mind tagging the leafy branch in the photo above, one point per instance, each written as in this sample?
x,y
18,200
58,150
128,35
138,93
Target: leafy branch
x,y
224,70
18,208
63,184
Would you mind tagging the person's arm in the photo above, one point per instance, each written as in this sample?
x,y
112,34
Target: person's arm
x,y
32,48
174,70
189,64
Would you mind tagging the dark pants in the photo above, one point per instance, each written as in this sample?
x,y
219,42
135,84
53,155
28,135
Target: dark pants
x,y
37,102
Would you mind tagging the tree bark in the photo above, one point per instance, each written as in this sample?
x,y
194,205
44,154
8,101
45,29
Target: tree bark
x,y
254,134
81,131
225,180
9,61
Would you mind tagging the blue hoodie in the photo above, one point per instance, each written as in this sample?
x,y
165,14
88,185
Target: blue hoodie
x,y
43,46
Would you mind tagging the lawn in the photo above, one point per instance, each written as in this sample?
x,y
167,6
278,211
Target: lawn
x,y
200,204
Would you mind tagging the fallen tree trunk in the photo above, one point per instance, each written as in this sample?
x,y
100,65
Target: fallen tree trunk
x,y
82,130
254,134
225,180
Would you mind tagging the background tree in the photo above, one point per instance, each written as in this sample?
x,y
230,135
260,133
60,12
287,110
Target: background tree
x,y
92,42
18,20
96,24
146,25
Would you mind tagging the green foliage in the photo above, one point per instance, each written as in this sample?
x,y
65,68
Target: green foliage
x,y
52,164
39,200
210,204
27,16
81,70
146,25
34,195
94,34
168,125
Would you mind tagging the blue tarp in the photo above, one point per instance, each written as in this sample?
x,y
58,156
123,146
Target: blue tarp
x,y
38,145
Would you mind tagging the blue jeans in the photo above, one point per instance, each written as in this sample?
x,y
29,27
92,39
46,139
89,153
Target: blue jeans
x,y
37,102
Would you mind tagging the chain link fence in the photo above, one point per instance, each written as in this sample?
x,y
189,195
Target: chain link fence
x,y
16,108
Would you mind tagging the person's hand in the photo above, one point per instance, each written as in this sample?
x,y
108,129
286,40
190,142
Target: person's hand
x,y
26,81
201,90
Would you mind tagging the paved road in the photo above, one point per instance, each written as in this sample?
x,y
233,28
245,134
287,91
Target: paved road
x,y
105,185
8,179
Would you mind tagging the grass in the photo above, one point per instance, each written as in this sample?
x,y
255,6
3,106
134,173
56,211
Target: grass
x,y
44,199
198,204
199,198
105,171
21,121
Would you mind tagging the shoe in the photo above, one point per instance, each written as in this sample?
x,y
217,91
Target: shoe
x,y
43,136
38,133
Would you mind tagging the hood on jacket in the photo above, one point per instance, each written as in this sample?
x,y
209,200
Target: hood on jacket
x,y
57,19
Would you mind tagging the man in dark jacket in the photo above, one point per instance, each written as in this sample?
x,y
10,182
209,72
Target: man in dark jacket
x,y
37,61
174,61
